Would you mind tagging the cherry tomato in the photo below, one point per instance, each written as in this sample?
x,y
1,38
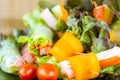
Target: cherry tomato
x,y
47,72
27,72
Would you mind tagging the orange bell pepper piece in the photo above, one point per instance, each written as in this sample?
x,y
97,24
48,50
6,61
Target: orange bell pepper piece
x,y
85,66
66,46
80,67
64,12
94,65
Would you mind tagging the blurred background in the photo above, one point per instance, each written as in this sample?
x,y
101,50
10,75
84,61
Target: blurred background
x,y
12,11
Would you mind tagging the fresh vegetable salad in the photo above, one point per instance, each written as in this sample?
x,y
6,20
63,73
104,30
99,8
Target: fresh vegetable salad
x,y
73,40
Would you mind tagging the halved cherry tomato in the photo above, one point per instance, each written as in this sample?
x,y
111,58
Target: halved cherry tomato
x,y
27,72
47,72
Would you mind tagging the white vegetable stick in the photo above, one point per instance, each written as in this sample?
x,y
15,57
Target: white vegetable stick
x,y
49,18
115,51
67,68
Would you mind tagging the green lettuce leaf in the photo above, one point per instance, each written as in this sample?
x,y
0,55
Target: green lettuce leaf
x,y
102,44
115,24
109,73
23,39
114,6
61,26
90,31
111,70
6,76
81,4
